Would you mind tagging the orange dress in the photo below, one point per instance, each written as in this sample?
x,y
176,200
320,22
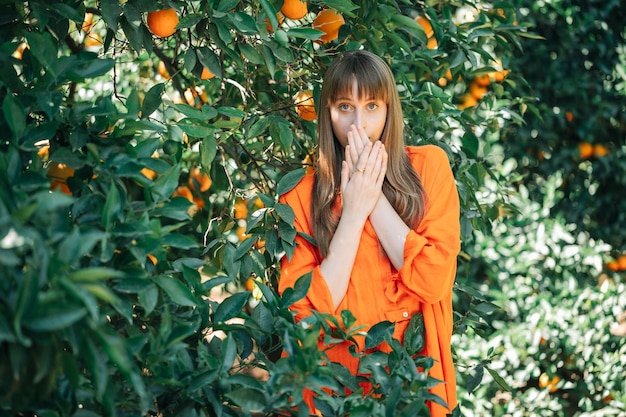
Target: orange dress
x,y
376,291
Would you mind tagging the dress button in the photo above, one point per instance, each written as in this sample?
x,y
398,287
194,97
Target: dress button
x,y
405,314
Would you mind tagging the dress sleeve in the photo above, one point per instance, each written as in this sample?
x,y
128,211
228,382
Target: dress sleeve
x,y
430,251
305,259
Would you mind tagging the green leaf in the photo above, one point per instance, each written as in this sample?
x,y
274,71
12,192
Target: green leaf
x,y
415,335
165,184
270,12
209,60
112,207
243,23
290,180
285,212
148,298
153,100
208,150
190,111
281,131
475,378
180,241
196,128
95,274
499,380
470,144
248,399
410,25
15,115
377,334
133,103
231,307
111,12
304,33
176,290
299,290
91,68
55,320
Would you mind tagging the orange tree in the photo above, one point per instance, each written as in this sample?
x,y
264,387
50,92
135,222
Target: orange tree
x,y
578,133
557,266
144,146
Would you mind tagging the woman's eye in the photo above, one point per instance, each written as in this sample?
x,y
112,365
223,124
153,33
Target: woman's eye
x,y
372,106
344,107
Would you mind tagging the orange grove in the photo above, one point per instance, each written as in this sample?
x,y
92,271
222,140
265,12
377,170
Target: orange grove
x,y
162,22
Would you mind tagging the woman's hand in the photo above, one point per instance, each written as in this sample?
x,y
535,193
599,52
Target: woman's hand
x,y
362,174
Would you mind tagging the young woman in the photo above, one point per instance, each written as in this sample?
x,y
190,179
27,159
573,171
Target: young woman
x,y
385,218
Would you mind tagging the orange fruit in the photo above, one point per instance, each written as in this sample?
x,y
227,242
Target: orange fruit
x,y
152,258
19,51
599,150
87,22
305,106
621,263
258,203
162,70
468,101
93,40
585,149
268,25
425,24
241,209
499,76
546,382
199,202
183,191
44,152
241,233
329,22
163,22
148,173
250,284
190,96
294,9
199,179
613,266
206,74
477,91
443,81
569,116
432,43
483,80
59,172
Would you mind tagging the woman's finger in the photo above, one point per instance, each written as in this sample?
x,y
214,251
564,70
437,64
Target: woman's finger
x,y
345,175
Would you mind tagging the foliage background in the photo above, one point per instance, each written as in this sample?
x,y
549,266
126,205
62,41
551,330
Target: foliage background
x,y
112,284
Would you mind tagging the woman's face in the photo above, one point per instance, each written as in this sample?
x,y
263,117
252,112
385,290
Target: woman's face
x,y
367,112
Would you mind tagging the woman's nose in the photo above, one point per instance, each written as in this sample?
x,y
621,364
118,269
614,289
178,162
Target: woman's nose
x,y
359,120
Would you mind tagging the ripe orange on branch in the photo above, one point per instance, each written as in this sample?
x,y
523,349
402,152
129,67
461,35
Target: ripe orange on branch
x,y
199,181
206,74
305,106
294,9
329,22
162,22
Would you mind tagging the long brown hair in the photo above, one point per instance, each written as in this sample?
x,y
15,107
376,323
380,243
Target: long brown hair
x,y
402,186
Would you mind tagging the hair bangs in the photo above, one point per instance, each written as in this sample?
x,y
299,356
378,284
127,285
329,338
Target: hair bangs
x,y
371,80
